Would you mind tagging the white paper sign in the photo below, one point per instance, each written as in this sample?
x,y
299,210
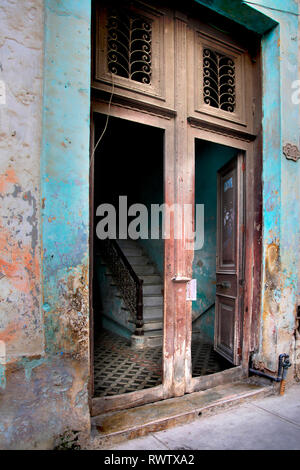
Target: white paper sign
x,y
2,92
191,290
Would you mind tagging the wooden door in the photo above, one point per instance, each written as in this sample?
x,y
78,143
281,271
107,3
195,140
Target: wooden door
x,y
229,262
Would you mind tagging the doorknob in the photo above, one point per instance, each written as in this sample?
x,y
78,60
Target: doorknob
x,y
224,285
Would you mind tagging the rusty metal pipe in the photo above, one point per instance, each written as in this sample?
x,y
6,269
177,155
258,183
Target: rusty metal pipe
x,y
283,365
263,374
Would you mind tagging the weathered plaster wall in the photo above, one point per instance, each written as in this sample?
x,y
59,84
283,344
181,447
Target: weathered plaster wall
x,y
21,66
280,187
21,329
280,176
46,376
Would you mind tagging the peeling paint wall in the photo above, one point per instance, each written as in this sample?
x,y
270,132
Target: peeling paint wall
x,y
278,21
21,70
44,221
281,208
44,216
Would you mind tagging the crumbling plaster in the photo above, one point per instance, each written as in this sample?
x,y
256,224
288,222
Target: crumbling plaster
x,y
44,361
44,217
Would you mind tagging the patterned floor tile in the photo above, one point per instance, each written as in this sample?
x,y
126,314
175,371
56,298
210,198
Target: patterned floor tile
x,y
119,369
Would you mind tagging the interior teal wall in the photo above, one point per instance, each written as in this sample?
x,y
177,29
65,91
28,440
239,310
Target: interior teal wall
x,y
151,192
209,158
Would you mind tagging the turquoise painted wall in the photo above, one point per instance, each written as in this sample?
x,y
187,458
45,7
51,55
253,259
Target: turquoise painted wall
x,y
209,158
65,206
277,21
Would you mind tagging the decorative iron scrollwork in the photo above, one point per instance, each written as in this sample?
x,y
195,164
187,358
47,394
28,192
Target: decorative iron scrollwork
x,y
218,80
129,46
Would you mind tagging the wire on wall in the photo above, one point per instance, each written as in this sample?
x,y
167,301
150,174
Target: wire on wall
x,y
106,122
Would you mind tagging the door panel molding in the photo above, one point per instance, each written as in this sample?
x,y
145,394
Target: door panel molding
x,y
229,260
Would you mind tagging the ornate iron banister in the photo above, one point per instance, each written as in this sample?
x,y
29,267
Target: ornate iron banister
x,y
128,283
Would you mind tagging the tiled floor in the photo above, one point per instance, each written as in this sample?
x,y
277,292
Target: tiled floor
x,y
119,369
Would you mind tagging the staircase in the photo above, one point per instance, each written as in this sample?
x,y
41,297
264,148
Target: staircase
x,y
152,293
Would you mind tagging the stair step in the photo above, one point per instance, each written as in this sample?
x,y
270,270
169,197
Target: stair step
x,y
131,249
151,279
154,338
142,270
153,325
111,428
128,243
152,289
151,300
151,313
154,341
138,260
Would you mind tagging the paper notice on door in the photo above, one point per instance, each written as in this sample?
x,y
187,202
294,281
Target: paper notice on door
x,y
2,92
191,290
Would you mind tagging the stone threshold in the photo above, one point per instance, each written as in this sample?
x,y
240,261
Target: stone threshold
x,y
112,428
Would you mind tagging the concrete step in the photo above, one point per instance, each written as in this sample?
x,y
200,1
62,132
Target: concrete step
x,y
138,260
145,269
113,428
154,325
133,252
150,300
152,289
128,244
153,340
152,313
151,279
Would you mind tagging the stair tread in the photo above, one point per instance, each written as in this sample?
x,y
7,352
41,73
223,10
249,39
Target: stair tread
x,y
153,295
153,320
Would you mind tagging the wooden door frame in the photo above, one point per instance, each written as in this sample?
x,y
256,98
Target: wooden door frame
x,y
104,404
252,248
174,298
181,129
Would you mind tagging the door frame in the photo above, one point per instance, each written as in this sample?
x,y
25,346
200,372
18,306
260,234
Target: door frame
x,y
100,405
174,293
251,148
181,130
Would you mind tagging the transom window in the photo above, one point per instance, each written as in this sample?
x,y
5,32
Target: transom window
x,y
129,45
218,80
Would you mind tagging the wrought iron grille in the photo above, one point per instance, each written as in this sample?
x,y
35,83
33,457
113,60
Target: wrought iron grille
x,y
129,46
128,283
218,80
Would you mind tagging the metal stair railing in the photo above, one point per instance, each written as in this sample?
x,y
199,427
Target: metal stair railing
x,y
127,281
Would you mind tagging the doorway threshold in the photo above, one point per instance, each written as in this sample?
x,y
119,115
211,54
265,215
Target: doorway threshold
x,y
112,428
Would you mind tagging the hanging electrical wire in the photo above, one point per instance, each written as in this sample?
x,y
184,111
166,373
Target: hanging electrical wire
x,y
106,122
